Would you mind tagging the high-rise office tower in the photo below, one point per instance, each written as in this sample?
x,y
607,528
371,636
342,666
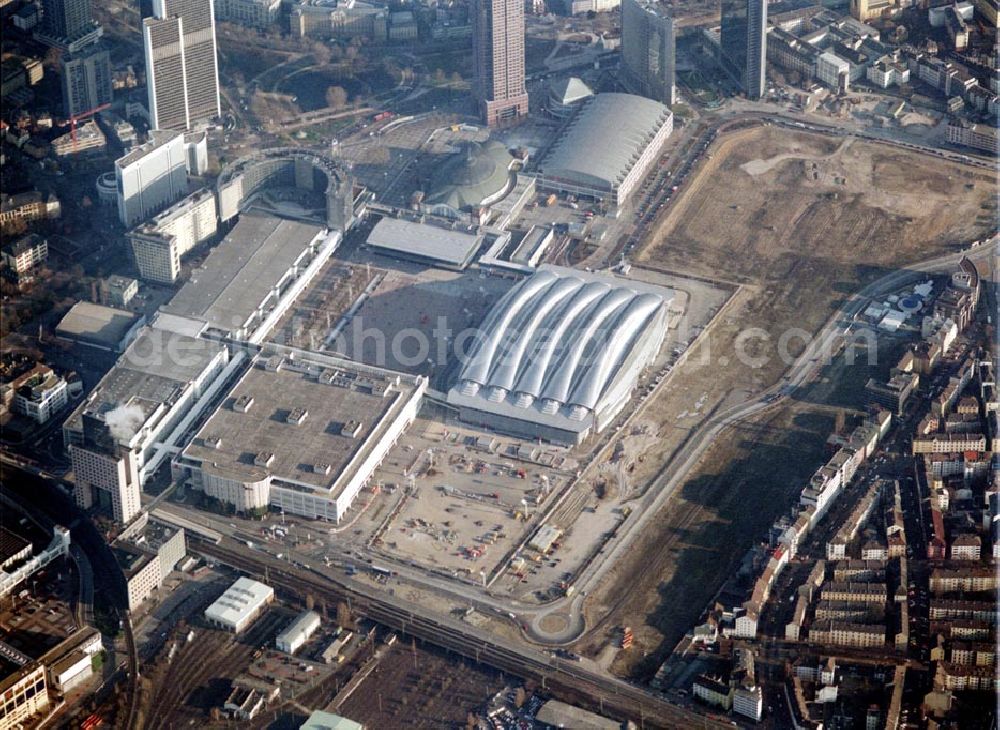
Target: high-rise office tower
x,y
498,52
743,43
151,176
67,24
182,75
648,49
86,79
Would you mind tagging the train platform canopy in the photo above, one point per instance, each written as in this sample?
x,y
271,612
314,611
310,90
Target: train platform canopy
x,y
558,714
320,720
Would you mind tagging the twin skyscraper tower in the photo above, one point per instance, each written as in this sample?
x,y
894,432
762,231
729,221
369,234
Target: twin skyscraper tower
x,y
182,68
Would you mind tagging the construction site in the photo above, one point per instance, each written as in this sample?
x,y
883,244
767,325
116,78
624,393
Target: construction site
x,y
850,212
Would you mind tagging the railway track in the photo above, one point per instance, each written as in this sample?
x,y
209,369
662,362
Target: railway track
x,y
572,682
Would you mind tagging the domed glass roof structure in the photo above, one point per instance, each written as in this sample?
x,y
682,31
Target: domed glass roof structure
x,y
477,175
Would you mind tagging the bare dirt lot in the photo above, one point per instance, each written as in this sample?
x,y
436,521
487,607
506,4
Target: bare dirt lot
x,y
799,221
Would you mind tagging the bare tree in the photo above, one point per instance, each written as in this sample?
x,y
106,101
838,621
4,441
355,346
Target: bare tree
x,y
336,97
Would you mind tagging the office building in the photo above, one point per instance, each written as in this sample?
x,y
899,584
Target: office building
x,y
648,49
105,471
252,13
67,24
182,75
159,244
147,553
39,394
86,79
498,54
743,43
25,692
151,176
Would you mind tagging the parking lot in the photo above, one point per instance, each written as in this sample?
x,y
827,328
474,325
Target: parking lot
x,y
459,499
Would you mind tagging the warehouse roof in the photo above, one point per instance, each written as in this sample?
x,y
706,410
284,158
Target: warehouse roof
x,y
314,416
303,625
96,324
240,601
242,271
156,368
604,139
419,240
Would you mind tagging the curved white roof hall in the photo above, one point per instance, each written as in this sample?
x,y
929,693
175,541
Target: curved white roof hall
x,y
605,138
560,336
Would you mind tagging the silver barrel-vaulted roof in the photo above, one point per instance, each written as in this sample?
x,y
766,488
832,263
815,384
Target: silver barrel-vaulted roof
x,y
560,337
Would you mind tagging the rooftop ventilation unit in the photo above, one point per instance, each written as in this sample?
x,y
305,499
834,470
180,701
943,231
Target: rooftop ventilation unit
x,y
297,416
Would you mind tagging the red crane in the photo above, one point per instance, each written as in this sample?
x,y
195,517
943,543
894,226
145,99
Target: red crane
x,y
83,115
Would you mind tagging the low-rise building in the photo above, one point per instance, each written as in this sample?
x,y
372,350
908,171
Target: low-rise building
x,y
25,693
241,604
119,291
291,639
981,137
258,14
861,636
23,256
713,691
966,547
27,207
39,394
88,139
947,443
952,580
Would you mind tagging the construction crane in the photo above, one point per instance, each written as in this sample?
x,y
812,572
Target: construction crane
x,y
83,115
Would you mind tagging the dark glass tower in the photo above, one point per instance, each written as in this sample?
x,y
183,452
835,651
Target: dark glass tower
x,y
743,43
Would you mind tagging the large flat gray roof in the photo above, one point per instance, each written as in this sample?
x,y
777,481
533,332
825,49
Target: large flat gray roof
x,y
604,139
419,240
154,369
331,397
97,324
242,270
